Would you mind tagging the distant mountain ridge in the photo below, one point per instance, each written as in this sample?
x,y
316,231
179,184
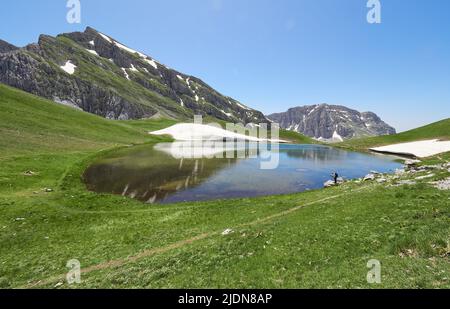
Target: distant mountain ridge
x,y
95,73
6,47
332,123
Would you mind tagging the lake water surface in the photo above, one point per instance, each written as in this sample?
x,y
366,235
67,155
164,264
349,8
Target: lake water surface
x,y
158,174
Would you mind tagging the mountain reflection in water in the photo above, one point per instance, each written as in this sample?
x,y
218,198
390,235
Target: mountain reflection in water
x,y
176,172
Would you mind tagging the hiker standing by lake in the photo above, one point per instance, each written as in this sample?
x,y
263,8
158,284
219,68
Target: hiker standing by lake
x,y
335,177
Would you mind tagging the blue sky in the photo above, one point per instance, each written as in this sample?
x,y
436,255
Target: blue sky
x,y
276,54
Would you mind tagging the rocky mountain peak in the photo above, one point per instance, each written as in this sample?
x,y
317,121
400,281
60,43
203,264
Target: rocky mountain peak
x,y
6,47
94,72
331,123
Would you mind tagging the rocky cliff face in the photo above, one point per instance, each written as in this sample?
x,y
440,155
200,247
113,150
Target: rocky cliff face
x,y
331,123
6,47
95,73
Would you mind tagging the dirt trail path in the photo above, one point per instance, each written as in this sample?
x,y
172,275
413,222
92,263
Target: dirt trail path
x,y
182,243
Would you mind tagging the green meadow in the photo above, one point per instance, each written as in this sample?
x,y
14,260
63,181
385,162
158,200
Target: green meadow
x,y
316,239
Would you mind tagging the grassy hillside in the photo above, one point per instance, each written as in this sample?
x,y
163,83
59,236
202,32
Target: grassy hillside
x,y
295,137
438,130
29,124
317,239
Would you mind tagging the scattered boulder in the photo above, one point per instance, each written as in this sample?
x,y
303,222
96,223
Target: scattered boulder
x,y
58,284
412,162
369,177
424,168
331,183
29,173
227,232
381,180
408,253
442,184
48,190
433,167
400,172
424,177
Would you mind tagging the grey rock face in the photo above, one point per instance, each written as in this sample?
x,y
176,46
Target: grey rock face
x,y
331,122
112,80
22,71
6,47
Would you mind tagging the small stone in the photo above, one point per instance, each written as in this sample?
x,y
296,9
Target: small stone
x,y
369,177
442,184
329,184
227,232
48,190
58,284
399,172
424,177
412,162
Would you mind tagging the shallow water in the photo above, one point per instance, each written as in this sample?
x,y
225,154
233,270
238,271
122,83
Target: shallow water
x,y
167,173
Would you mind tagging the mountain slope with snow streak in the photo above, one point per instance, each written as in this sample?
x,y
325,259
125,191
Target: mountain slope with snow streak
x,y
98,74
331,123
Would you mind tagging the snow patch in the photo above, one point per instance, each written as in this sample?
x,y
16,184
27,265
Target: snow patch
x,y
126,74
228,114
420,149
242,106
130,50
337,137
200,132
313,110
152,63
133,68
92,52
69,67
107,38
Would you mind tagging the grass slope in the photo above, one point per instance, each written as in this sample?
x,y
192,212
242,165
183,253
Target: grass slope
x,y
30,124
296,138
315,239
438,130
